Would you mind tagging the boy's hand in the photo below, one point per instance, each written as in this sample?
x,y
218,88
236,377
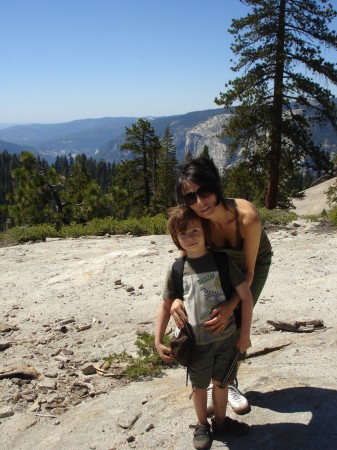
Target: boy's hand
x,y
244,343
164,353
178,313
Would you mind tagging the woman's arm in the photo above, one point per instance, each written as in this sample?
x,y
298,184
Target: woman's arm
x,y
219,316
250,230
163,318
246,297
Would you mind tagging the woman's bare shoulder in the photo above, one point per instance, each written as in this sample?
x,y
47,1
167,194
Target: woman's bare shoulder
x,y
247,212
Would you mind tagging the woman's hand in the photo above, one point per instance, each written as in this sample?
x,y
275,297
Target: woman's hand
x,y
244,343
219,318
178,312
164,353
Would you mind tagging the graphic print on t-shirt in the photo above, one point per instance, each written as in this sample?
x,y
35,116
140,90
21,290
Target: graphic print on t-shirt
x,y
202,293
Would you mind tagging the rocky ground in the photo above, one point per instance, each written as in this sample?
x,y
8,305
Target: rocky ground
x,y
67,304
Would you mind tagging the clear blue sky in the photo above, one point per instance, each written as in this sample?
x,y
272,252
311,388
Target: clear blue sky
x,y
64,60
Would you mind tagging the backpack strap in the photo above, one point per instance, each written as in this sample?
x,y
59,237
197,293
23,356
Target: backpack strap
x,y
221,261
177,275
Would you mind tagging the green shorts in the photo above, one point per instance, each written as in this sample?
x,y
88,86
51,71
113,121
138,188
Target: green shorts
x,y
211,361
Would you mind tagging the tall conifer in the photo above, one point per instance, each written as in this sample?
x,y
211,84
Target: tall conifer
x,y
280,47
142,141
167,172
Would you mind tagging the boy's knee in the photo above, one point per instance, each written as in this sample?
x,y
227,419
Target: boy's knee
x,y
198,389
216,384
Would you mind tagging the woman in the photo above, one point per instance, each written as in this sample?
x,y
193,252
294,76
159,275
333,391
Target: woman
x,y
235,228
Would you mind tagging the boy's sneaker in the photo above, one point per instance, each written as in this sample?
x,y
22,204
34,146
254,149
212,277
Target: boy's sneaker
x,y
230,427
237,400
202,436
210,405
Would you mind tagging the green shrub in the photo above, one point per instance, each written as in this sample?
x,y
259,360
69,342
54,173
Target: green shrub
x,y
155,225
74,230
20,234
101,227
118,358
95,227
131,226
147,364
312,218
110,225
142,226
332,216
276,216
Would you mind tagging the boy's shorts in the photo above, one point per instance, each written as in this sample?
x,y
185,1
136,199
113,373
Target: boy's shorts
x,y
211,361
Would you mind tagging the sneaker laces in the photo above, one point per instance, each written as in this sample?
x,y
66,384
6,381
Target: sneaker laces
x,y
210,393
210,397
234,391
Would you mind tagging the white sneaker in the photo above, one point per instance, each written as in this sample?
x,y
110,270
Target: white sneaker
x,y
210,405
237,400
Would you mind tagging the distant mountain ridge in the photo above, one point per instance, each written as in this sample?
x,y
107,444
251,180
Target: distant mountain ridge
x,y
101,138
16,148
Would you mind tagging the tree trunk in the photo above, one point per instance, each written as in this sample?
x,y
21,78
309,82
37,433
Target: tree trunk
x,y
273,180
146,179
276,128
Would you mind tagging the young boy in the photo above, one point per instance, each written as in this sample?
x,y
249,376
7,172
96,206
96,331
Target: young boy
x,y
213,354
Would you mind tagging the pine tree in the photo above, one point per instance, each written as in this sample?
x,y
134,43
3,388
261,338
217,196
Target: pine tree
x,y
36,197
128,191
103,177
82,195
167,172
142,141
62,165
279,47
8,162
205,153
188,155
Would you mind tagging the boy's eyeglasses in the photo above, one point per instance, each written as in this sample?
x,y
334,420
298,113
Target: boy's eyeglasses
x,y
202,192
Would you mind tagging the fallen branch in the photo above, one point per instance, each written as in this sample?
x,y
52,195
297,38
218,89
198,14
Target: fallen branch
x,y
51,416
297,326
24,372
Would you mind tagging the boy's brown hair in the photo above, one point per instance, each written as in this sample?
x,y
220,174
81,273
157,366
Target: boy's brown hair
x,y
178,218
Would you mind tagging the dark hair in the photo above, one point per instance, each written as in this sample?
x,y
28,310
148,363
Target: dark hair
x,y
178,219
203,172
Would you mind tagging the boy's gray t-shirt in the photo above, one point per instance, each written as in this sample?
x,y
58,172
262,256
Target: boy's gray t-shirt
x,y
203,293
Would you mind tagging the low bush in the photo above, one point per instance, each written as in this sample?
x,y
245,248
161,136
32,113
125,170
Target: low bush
x,y
137,227
276,216
312,218
96,227
20,234
146,364
332,216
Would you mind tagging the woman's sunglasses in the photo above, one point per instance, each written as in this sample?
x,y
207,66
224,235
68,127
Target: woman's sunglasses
x,y
202,192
